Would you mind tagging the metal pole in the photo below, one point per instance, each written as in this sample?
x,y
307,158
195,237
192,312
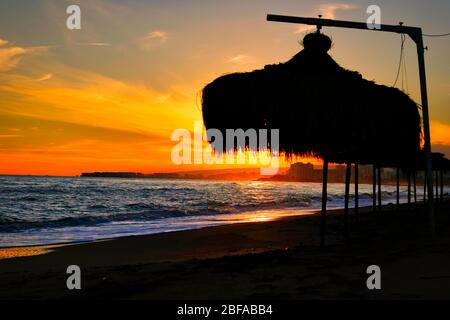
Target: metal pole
x,y
415,187
348,173
356,190
379,188
341,24
425,188
398,188
374,191
324,203
409,191
416,35
426,129
436,174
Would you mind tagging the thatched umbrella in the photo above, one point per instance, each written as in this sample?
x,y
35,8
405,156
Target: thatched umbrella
x,y
320,108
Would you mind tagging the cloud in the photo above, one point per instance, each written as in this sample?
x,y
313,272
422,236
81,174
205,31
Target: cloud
x,y
11,56
304,29
161,35
93,44
238,59
152,40
328,11
47,76
35,130
3,136
89,98
83,121
3,42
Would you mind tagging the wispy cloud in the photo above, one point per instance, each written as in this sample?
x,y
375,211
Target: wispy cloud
x,y
117,103
328,11
125,120
10,56
238,59
161,35
152,40
11,135
45,77
93,44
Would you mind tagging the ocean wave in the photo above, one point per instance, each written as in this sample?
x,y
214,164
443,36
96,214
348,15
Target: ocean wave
x,y
40,203
141,206
97,207
17,226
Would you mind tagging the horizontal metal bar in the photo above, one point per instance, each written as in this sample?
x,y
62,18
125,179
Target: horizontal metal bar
x,y
412,31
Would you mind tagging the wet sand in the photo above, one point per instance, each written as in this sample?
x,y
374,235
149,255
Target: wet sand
x,y
278,259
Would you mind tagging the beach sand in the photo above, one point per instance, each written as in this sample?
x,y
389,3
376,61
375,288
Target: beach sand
x,y
278,259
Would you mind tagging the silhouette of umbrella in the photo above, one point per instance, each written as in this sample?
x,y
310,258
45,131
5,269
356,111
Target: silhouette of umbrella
x,y
321,110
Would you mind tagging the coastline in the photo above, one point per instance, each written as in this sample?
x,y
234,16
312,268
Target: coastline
x,y
175,225
279,258
42,249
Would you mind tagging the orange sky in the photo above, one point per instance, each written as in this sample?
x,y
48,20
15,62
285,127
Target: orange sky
x,y
107,97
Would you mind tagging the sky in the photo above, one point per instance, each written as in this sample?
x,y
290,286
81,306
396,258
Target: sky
x,y
108,96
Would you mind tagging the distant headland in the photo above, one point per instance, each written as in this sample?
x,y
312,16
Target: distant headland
x,y
298,172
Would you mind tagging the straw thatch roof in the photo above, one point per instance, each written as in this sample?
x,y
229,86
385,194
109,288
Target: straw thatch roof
x,y
320,108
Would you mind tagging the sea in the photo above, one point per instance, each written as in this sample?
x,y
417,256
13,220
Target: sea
x,y
54,210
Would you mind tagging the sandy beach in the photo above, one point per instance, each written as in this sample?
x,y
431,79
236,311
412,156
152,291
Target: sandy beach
x,y
278,259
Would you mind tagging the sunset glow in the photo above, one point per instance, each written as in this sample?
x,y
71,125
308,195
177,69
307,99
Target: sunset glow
x,y
108,97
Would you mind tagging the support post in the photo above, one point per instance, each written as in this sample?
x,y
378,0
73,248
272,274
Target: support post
x,y
356,190
409,191
418,38
347,195
436,173
374,191
324,203
425,182
379,188
415,187
398,189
